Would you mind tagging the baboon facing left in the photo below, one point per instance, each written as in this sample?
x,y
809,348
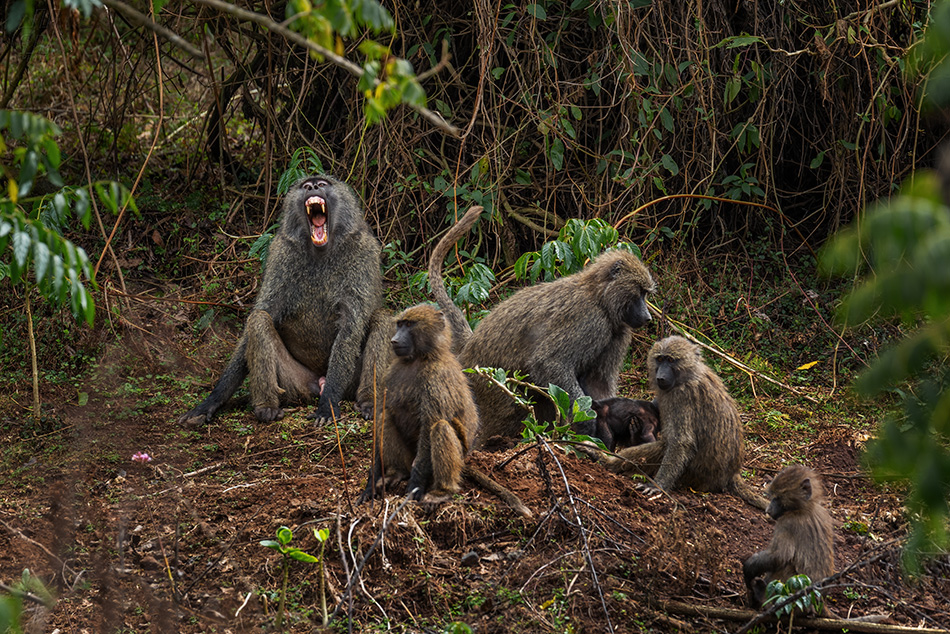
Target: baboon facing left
x,y
318,326
701,444
802,542
430,419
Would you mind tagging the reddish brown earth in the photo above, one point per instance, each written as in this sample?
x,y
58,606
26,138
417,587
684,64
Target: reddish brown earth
x,y
173,545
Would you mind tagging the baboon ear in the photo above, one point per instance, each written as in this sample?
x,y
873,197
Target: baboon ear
x,y
806,488
615,270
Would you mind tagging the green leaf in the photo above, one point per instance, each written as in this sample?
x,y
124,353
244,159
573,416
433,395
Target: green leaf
x,y
537,11
561,398
41,260
556,154
14,17
667,161
284,535
299,555
270,543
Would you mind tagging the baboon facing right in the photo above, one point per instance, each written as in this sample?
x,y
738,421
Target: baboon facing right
x,y
573,332
701,443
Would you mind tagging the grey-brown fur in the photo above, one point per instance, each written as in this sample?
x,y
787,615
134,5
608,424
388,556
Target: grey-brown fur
x,y
430,420
319,313
572,332
701,443
802,542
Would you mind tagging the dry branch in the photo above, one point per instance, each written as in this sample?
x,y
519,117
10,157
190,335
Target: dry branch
x,y
835,625
354,69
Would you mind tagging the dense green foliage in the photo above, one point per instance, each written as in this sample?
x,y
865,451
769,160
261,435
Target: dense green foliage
x,y
905,244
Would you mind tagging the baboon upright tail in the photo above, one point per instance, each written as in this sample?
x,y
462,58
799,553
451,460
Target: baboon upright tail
x,y
461,331
492,486
748,495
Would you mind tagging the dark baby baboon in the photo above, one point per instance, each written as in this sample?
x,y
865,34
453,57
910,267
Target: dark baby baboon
x,y
622,422
430,419
572,332
318,324
802,541
701,445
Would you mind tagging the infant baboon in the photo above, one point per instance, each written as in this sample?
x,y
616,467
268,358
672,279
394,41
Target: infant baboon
x,y
701,445
430,419
802,542
622,422
318,326
572,332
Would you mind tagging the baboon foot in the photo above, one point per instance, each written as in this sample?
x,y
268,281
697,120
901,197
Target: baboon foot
x,y
366,409
268,414
435,498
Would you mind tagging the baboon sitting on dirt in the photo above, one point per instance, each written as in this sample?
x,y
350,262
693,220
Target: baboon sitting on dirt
x,y
802,543
318,326
700,445
430,417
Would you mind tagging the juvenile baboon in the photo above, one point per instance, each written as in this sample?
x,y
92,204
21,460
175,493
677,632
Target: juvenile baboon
x,y
802,542
572,332
622,422
430,419
700,445
318,326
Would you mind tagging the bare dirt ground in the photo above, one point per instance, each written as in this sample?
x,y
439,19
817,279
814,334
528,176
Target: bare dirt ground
x,y
173,545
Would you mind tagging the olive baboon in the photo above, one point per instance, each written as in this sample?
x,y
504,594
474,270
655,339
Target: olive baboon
x,y
700,445
430,419
802,542
572,332
622,422
318,326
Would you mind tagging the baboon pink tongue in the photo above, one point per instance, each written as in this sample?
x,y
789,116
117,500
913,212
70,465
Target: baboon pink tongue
x,y
318,230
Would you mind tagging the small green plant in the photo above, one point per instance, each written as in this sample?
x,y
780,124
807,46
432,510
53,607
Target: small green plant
x,y
566,410
778,591
284,535
11,601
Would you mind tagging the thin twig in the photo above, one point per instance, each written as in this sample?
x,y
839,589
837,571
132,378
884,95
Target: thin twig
x,y
583,531
359,568
143,20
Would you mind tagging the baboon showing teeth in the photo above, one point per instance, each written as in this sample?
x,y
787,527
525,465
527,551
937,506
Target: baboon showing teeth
x,y
622,422
802,542
573,332
318,324
430,419
700,445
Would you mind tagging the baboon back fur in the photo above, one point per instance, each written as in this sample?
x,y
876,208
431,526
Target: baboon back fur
x,y
319,312
572,332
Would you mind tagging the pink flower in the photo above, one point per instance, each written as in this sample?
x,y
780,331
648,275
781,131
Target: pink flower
x,y
142,457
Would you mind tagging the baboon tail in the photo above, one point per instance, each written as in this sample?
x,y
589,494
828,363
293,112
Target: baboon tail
x,y
461,331
493,487
747,493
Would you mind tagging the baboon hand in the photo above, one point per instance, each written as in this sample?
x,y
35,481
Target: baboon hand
x,y
325,413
